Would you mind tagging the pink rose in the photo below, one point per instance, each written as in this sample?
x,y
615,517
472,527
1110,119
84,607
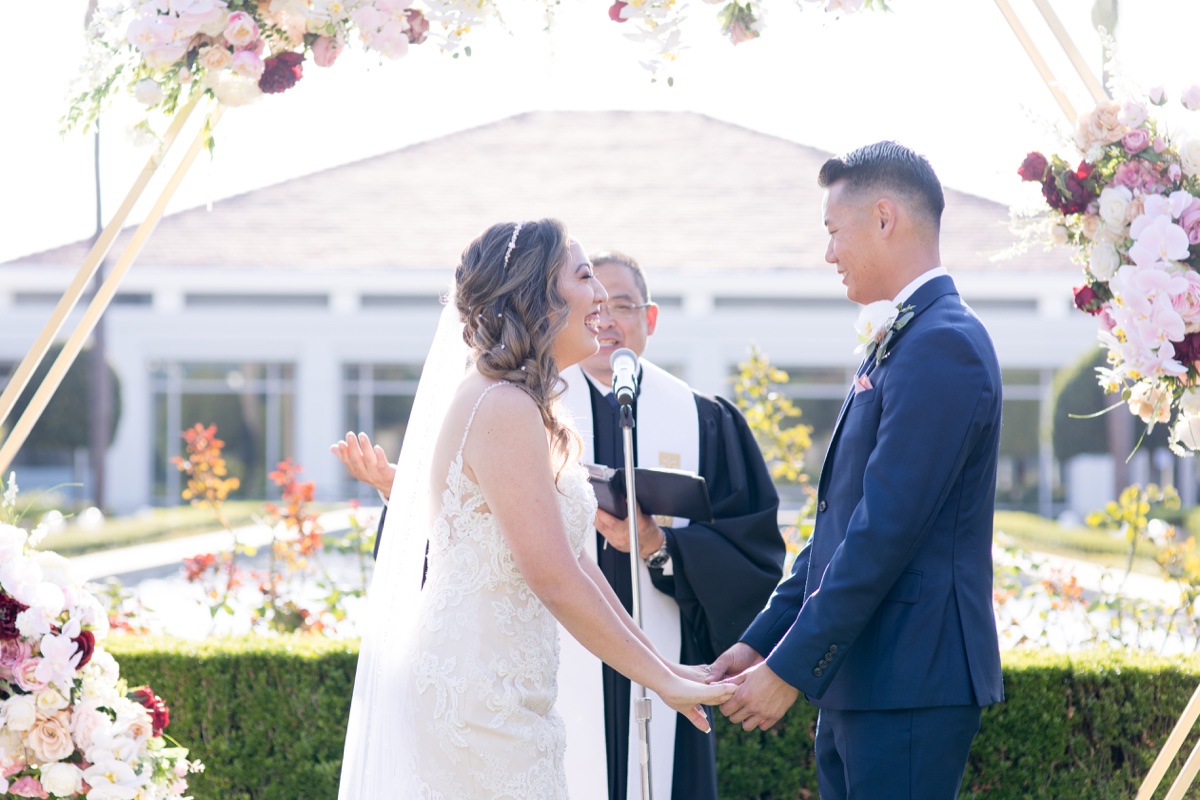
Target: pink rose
x,y
1187,302
13,652
240,29
27,787
1174,172
1136,141
1189,220
418,25
1190,98
247,64
326,49
25,674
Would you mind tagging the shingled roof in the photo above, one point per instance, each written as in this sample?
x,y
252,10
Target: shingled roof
x,y
680,190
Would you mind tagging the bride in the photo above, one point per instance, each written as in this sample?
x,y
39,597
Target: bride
x,y
456,684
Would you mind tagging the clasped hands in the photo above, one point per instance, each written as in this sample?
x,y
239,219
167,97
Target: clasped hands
x,y
762,697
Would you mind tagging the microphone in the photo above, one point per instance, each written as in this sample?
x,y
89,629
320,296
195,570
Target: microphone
x,y
624,364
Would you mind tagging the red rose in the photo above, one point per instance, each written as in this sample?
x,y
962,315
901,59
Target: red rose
x,y
1187,352
280,72
1087,300
1033,168
418,26
9,608
160,714
1067,193
614,11
85,644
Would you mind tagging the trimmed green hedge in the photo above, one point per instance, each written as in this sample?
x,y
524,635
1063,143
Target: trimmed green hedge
x,y
267,717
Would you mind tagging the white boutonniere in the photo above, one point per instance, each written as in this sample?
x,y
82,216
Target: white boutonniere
x,y
877,324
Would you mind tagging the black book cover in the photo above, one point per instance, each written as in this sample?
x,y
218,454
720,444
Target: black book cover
x,y
665,492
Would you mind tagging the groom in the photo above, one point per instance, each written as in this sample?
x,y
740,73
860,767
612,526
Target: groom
x,y
886,621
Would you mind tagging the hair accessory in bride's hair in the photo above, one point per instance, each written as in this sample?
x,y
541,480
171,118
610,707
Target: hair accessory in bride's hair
x,y
512,242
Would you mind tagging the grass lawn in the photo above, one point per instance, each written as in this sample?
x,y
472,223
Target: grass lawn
x,y
154,525
1032,532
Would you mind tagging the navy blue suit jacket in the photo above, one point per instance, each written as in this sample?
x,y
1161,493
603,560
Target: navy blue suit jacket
x,y
890,604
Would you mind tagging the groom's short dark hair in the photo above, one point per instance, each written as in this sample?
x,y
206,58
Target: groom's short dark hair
x,y
889,166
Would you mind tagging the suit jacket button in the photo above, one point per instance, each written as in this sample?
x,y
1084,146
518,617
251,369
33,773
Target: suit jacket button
x,y
833,648
817,672
822,506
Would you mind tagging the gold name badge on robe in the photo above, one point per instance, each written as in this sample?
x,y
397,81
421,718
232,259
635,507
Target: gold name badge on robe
x,y
667,461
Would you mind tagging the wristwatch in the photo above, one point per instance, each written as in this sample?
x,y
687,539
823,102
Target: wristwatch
x,y
659,558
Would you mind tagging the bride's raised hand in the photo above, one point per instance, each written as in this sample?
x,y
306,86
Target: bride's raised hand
x,y
689,697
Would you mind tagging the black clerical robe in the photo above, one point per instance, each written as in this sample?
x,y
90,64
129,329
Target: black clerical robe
x,y
723,573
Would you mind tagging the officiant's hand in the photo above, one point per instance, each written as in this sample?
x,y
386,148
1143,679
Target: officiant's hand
x,y
616,532
366,463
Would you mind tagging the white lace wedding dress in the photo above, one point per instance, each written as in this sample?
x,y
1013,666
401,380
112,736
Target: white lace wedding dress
x,y
486,657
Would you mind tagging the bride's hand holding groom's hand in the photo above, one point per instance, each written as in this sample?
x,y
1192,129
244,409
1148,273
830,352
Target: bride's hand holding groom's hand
x,y
689,697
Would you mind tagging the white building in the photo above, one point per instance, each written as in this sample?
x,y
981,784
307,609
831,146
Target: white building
x,y
296,312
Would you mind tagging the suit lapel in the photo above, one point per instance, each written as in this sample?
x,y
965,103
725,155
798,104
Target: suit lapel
x,y
921,300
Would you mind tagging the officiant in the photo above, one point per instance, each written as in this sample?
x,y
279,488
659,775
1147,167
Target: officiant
x,y
702,582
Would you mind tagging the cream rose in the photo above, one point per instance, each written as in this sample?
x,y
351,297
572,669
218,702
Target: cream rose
x,y
1114,204
1189,157
148,92
234,90
214,59
20,712
49,738
1100,127
1104,260
61,779
51,700
1089,224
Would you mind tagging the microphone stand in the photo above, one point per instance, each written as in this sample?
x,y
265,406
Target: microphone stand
x,y
641,703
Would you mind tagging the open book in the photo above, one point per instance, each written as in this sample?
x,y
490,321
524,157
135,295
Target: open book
x,y
664,492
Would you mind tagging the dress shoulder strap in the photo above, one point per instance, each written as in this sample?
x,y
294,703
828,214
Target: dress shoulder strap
x,y
471,418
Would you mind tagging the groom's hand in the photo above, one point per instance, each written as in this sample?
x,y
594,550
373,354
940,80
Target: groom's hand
x,y
761,699
733,661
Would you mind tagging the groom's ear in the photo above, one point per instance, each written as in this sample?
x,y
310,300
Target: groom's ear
x,y
885,216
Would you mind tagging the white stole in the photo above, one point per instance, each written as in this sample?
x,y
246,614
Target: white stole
x,y
668,435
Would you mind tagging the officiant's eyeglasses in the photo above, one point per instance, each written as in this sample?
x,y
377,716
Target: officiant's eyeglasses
x,y
622,310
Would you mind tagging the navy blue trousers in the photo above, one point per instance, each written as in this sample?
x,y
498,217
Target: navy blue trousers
x,y
910,754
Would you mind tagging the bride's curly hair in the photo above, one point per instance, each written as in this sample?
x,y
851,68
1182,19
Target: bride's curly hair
x,y
506,291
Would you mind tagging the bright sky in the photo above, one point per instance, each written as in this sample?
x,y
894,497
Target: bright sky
x,y
946,77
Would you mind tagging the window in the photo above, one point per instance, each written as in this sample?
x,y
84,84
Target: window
x,y
377,399
252,405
